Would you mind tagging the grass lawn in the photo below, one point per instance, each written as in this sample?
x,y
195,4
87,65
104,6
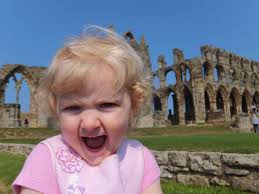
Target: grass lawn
x,y
170,187
11,164
230,143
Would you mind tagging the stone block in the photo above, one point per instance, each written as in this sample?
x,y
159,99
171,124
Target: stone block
x,y
209,162
248,183
241,160
165,173
235,171
219,181
192,180
178,158
161,157
177,169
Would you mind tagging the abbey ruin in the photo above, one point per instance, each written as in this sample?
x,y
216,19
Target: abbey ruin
x,y
214,87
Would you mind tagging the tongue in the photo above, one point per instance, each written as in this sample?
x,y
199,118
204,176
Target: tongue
x,y
95,142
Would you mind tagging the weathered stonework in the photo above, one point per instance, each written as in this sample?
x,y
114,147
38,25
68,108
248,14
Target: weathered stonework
x,y
10,114
217,86
240,171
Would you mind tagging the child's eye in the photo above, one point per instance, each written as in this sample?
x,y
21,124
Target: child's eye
x,y
72,108
107,105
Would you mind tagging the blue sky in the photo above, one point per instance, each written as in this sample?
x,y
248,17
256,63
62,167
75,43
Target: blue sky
x,y
32,30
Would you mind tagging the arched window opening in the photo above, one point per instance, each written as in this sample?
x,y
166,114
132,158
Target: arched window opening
x,y
129,37
18,92
157,103
204,72
188,74
189,108
185,73
220,102
216,73
171,103
244,104
156,82
170,78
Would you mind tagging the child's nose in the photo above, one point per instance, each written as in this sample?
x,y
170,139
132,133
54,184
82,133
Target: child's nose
x,y
90,121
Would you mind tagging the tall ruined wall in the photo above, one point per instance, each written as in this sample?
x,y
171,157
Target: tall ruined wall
x,y
217,86
10,114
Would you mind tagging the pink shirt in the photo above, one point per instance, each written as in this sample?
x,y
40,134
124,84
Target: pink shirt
x,y
38,172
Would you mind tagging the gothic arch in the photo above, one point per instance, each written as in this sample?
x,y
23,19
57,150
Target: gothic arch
x,y
170,77
157,105
129,36
189,106
219,101
185,72
218,72
173,113
16,69
246,101
32,76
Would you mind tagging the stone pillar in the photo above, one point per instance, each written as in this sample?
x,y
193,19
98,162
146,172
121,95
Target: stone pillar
x,y
181,107
18,85
2,93
227,110
198,92
161,70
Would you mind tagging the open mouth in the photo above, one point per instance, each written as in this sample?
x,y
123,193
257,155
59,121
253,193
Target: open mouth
x,y
95,143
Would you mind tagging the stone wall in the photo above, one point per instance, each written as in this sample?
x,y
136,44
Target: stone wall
x,y
240,171
24,149
9,115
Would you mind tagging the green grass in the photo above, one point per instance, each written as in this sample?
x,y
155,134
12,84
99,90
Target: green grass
x,y
170,187
230,143
11,164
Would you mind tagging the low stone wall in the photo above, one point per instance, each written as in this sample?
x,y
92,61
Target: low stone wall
x,y
240,171
24,149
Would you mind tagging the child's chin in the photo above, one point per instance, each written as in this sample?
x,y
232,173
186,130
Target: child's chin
x,y
95,161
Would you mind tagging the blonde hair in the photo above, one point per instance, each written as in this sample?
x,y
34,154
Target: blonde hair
x,y
97,45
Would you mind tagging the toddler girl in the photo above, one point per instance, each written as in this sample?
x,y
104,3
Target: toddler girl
x,y
94,88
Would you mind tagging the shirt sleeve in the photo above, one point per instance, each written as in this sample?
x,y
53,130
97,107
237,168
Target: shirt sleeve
x,y
151,169
37,172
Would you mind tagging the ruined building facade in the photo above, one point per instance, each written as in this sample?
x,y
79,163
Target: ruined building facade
x,y
215,87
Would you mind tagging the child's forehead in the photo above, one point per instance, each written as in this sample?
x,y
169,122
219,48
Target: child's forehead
x,y
94,95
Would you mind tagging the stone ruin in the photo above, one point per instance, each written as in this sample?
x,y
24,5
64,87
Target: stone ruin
x,y
218,86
